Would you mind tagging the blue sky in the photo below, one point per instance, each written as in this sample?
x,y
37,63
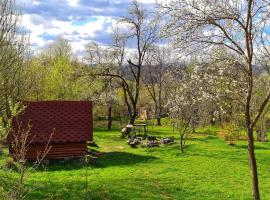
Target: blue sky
x,y
79,21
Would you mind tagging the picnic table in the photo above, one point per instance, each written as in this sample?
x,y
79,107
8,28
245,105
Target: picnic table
x,y
138,128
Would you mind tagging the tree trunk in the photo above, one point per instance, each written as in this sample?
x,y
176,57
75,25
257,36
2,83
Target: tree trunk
x,y
181,144
131,121
253,165
157,114
159,121
21,181
120,119
132,118
110,118
193,125
193,128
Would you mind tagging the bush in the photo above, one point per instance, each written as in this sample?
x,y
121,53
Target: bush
x,y
231,132
9,163
166,121
3,193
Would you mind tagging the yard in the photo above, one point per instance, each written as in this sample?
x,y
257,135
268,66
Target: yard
x,y
209,169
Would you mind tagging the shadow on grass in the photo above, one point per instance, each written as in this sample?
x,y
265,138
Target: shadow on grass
x,y
102,129
63,165
245,146
177,146
122,158
203,139
109,159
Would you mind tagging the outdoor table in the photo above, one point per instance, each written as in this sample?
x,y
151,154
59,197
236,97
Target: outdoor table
x,y
144,128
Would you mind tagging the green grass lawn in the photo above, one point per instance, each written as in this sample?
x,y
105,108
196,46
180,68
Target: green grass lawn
x,y
209,169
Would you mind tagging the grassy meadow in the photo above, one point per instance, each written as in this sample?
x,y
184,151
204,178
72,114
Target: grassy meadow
x,y
210,169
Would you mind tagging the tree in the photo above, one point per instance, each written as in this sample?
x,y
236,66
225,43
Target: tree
x,y
13,43
239,26
55,73
60,48
262,80
140,33
223,83
184,103
109,98
6,127
95,54
37,73
156,77
59,79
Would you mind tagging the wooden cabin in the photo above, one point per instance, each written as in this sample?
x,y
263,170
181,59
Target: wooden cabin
x,y
69,123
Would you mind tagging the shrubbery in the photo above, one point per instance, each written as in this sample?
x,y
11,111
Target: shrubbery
x,y
231,132
9,163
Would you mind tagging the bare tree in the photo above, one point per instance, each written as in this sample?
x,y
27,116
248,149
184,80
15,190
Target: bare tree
x,y
140,33
94,53
60,48
241,27
156,76
20,138
109,98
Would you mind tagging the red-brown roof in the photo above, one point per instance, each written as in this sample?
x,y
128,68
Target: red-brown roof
x,y
70,121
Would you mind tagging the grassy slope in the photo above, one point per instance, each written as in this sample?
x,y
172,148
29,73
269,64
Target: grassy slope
x,y
209,169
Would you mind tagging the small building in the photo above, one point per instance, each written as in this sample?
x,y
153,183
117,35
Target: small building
x,y
68,123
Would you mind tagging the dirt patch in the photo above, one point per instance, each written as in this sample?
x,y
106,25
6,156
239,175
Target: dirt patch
x,y
119,147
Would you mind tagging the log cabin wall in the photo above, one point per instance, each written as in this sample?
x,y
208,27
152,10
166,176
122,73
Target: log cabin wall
x,y
58,151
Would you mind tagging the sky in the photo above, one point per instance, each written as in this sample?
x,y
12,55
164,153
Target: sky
x,y
79,21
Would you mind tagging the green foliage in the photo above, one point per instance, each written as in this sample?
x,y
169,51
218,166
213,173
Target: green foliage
x,y
60,78
231,132
211,130
166,121
3,193
58,81
6,121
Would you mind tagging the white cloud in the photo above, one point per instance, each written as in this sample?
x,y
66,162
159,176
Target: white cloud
x,y
77,35
78,21
73,2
